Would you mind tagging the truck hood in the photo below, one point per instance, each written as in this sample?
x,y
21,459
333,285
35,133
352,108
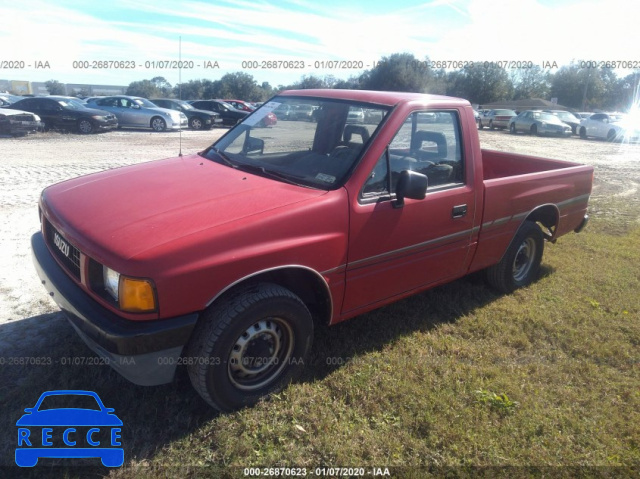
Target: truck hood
x,y
130,210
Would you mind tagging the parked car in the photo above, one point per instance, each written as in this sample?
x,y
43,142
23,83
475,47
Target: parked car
x,y
582,115
372,115
67,113
302,112
241,105
539,123
356,115
283,228
568,118
284,111
8,98
137,112
197,119
496,119
18,122
268,120
610,127
230,115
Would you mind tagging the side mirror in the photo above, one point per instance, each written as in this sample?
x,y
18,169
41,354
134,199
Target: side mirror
x,y
252,145
135,107
412,185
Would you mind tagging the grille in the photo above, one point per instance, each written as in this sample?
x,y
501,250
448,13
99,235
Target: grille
x,y
68,254
21,118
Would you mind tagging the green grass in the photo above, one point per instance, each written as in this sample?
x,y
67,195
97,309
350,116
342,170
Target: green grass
x,y
455,378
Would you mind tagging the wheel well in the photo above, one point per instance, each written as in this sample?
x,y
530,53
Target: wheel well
x,y
305,283
548,216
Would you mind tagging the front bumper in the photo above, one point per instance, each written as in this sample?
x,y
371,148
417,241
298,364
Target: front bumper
x,y
106,125
144,352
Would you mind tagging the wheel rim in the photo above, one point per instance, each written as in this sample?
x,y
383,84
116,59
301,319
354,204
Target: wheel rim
x,y
85,126
524,259
260,353
158,124
196,124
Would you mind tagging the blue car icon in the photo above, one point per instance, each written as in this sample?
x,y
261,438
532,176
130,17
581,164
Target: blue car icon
x,y
54,429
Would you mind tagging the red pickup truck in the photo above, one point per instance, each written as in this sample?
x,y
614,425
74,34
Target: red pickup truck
x,y
224,260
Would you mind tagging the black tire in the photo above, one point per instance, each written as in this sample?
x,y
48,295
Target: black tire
x,y
85,126
521,263
534,130
227,352
583,133
158,124
512,128
196,123
480,125
491,124
611,135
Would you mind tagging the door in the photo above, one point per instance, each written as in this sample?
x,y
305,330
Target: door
x,y
395,250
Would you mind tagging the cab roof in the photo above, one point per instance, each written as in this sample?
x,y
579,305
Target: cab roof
x,y
387,98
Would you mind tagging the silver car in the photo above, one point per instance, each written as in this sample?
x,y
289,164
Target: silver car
x,y
539,123
136,112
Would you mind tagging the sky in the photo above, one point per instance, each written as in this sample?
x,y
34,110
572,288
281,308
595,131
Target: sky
x,y
224,34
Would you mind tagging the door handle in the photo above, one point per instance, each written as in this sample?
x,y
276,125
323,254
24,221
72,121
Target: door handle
x,y
459,211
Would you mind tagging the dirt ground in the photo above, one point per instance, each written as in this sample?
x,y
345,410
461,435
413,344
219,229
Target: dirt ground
x,y
29,164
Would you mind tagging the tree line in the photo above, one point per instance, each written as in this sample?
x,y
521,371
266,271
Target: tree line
x,y
574,85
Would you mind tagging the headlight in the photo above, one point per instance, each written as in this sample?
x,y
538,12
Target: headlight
x,y
134,295
99,117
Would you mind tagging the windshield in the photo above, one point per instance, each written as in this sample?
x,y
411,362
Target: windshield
x,y
565,115
144,102
545,117
318,150
505,112
72,104
185,105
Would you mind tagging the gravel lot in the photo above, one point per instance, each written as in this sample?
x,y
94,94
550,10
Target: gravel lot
x,y
29,164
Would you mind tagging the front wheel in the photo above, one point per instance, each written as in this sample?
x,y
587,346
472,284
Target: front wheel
x,y
583,133
158,124
520,264
491,124
85,127
249,346
512,128
534,130
196,123
611,135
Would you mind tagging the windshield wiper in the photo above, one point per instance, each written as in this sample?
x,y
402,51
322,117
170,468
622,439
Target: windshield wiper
x,y
224,157
271,174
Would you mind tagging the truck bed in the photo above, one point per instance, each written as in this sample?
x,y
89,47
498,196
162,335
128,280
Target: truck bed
x,y
516,185
498,164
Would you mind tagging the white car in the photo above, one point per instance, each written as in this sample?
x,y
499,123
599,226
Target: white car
x,y
609,126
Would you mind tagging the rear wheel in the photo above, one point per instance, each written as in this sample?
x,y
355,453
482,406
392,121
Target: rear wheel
x,y
611,135
491,124
583,133
521,263
480,125
251,345
534,130
512,128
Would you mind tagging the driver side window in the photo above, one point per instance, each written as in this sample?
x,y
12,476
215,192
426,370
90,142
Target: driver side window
x,y
428,143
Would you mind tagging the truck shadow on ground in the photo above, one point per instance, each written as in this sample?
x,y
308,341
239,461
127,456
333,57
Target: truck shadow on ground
x,y
154,417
